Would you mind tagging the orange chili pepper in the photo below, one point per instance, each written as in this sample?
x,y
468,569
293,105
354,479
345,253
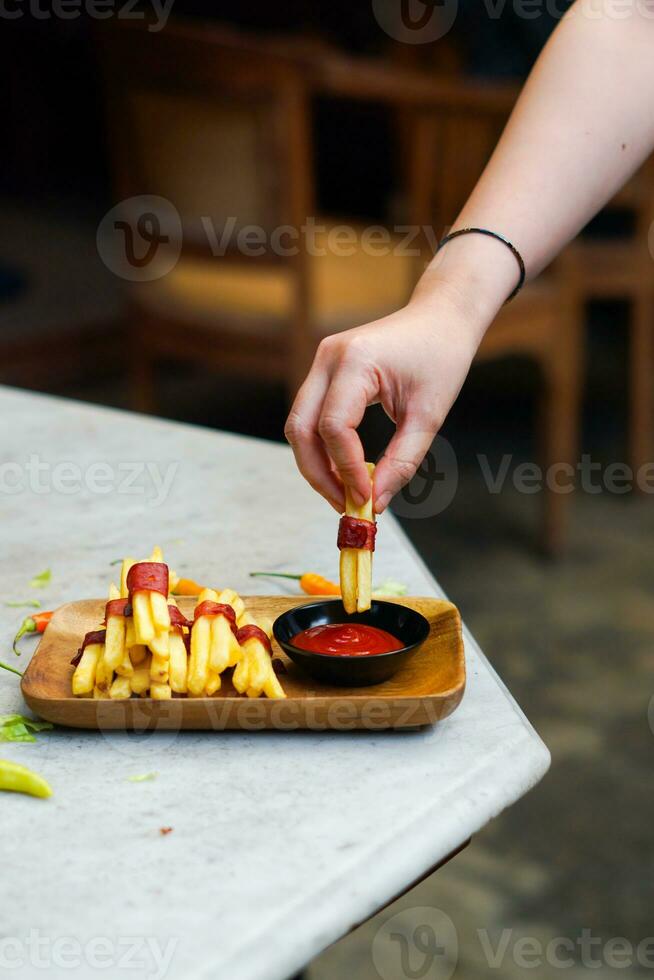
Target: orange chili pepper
x,y
32,624
186,586
310,583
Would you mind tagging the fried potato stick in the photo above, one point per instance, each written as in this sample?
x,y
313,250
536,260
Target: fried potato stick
x,y
137,654
140,679
159,669
198,668
115,651
160,692
356,563
178,663
104,675
120,689
84,676
255,674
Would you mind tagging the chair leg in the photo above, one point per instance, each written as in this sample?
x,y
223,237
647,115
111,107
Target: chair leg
x,y
641,394
560,420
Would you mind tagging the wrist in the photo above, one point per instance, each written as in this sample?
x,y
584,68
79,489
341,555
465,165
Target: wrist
x,y
478,272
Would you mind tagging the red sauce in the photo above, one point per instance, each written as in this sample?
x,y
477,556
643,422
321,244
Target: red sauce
x,y
346,640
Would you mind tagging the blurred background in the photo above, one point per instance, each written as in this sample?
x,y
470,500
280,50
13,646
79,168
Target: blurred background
x,y
227,128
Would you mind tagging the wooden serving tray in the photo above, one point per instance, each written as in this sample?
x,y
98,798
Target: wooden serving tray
x,y
427,688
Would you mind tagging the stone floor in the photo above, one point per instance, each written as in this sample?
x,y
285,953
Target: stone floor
x,y
573,640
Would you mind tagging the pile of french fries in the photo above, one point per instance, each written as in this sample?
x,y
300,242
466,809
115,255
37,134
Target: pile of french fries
x,y
356,563
145,655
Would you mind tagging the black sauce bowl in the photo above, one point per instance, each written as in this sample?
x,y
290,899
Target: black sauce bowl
x,y
410,628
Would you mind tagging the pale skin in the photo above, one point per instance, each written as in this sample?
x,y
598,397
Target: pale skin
x,y
583,124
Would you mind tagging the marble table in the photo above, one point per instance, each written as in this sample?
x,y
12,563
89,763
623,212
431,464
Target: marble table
x,y
280,842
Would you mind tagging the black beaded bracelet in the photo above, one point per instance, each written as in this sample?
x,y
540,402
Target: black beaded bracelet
x,y
500,238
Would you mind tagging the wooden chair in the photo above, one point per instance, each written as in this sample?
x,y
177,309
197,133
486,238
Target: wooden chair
x,y
621,268
218,123
545,321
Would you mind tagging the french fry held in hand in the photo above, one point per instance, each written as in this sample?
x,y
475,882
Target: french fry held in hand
x,y
356,540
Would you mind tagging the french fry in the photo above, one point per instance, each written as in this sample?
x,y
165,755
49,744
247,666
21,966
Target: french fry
x,y
178,663
225,649
272,688
84,676
124,571
159,669
137,654
120,689
254,674
234,600
140,679
125,668
104,675
160,613
150,612
115,651
356,563
144,654
160,692
160,645
214,683
143,626
198,668
348,577
130,636
266,624
241,676
258,664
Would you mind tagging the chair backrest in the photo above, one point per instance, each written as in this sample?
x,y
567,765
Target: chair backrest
x,y
451,147
212,121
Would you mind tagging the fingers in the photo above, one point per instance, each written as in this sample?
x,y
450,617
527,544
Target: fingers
x,y
343,409
322,424
301,430
403,456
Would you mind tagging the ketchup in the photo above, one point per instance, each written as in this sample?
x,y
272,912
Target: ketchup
x,y
346,640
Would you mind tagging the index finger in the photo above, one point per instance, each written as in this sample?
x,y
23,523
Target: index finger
x,y
343,409
301,430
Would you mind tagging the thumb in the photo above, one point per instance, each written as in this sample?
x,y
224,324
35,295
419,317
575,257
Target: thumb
x,y
403,456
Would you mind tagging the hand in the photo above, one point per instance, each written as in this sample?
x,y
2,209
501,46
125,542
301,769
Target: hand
x,y
414,362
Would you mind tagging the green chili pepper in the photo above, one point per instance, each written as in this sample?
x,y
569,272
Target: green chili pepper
x,y
19,779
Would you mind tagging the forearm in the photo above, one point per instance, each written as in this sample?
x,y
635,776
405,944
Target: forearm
x,y
582,126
